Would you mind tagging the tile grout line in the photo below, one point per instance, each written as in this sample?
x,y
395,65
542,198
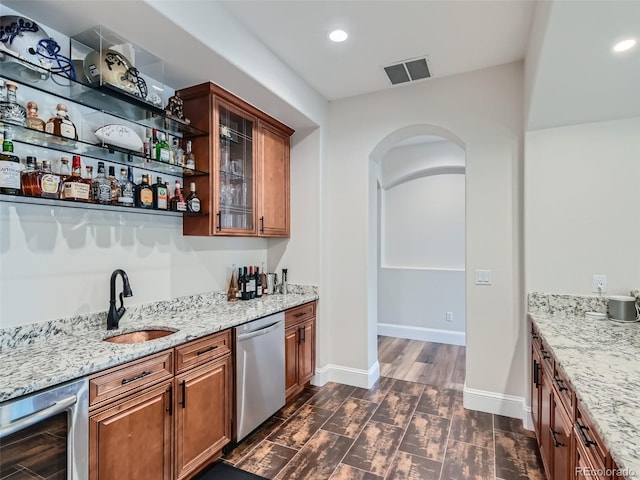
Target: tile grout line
x,y
446,447
493,436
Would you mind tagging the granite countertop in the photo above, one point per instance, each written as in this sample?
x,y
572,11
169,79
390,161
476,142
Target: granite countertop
x,y
601,359
38,356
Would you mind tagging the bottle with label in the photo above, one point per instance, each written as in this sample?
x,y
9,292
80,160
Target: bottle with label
x,y
33,121
47,184
193,201
10,167
115,185
10,110
102,187
61,125
160,195
94,186
64,171
252,283
162,152
232,293
239,293
177,201
190,158
27,177
144,194
126,188
246,285
148,140
258,283
77,188
178,152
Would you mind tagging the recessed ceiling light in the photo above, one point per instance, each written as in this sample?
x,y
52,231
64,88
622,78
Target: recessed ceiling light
x,y
338,36
624,45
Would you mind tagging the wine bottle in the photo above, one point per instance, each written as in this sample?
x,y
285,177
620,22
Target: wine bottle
x,y
263,279
246,285
258,283
252,283
239,292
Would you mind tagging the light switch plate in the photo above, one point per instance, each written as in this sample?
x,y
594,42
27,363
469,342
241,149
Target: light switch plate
x,y
483,277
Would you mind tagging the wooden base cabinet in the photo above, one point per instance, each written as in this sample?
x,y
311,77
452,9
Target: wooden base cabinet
x,y
300,348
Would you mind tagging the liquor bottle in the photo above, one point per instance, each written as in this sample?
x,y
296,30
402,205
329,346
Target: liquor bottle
x,y
94,186
64,171
10,110
190,158
162,152
193,201
61,125
33,121
232,293
10,167
126,188
178,152
27,176
77,188
47,184
258,283
102,187
115,185
246,286
148,140
144,193
177,201
239,293
160,195
252,283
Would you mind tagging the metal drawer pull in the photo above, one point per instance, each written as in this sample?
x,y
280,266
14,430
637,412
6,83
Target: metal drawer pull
x,y
137,377
299,314
556,443
212,347
536,374
585,440
545,354
560,387
38,416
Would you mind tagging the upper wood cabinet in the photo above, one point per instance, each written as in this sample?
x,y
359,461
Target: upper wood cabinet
x,y
247,155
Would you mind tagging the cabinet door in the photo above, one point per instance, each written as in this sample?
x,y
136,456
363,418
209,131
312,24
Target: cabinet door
x,y
546,443
291,351
235,171
274,182
536,390
307,352
561,433
203,420
583,468
132,438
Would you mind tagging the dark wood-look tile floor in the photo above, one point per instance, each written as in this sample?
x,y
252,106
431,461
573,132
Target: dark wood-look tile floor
x,y
399,429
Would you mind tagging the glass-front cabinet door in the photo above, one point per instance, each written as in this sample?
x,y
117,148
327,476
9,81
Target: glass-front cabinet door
x,y
236,155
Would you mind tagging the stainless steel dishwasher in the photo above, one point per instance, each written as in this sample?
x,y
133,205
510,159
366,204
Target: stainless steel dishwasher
x,y
260,374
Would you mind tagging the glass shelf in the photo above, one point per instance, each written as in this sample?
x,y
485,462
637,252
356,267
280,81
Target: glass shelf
x,y
108,153
235,176
50,202
235,209
105,98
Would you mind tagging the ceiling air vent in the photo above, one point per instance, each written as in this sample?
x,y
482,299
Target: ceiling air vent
x,y
407,71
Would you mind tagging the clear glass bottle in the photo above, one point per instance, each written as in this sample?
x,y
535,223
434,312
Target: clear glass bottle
x,y
127,188
232,293
77,188
101,187
60,125
47,184
190,158
144,193
160,195
178,152
163,152
10,167
27,176
177,201
193,201
10,110
33,121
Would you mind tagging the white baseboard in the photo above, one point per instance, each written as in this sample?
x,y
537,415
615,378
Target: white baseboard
x,y
420,333
498,404
347,375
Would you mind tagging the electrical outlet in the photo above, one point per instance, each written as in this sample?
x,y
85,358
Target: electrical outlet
x,y
449,317
599,284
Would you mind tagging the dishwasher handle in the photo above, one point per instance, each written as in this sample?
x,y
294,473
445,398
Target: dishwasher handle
x,y
257,333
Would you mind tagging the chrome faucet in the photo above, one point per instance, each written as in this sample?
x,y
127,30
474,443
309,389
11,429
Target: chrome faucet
x,y
115,314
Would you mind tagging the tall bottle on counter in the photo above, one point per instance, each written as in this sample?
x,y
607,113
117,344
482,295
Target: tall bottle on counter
x,y
263,280
245,285
258,283
232,293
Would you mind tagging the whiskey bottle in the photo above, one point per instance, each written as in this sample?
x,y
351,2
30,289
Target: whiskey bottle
x,y
47,184
177,201
126,188
144,193
10,167
101,187
27,176
77,188
10,110
115,185
60,125
65,172
160,195
193,201
94,186
33,121
190,162
163,152
178,152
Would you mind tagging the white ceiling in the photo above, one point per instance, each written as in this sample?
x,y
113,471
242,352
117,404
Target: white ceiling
x,y
457,36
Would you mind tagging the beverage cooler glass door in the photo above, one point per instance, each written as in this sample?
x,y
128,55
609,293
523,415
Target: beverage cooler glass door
x,y
45,435
235,173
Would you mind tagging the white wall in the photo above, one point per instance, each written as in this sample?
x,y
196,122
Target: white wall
x,y
484,109
581,185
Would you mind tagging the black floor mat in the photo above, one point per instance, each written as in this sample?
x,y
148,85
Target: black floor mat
x,y
223,471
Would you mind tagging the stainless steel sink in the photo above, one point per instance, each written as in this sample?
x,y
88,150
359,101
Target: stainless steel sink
x,y
140,336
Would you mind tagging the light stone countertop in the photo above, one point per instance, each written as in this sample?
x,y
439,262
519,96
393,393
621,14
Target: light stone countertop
x,y
39,356
601,359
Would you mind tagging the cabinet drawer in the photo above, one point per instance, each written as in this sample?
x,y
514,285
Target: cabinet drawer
x,y
564,389
298,314
126,379
547,359
589,439
535,337
202,350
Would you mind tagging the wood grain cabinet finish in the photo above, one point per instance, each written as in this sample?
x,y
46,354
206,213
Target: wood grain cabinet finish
x,y
300,348
258,156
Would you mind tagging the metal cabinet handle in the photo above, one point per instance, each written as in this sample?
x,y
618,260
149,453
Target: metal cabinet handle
x,y
561,388
261,224
545,354
170,407
536,374
137,377
556,443
219,225
299,314
184,394
212,347
585,439
535,336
